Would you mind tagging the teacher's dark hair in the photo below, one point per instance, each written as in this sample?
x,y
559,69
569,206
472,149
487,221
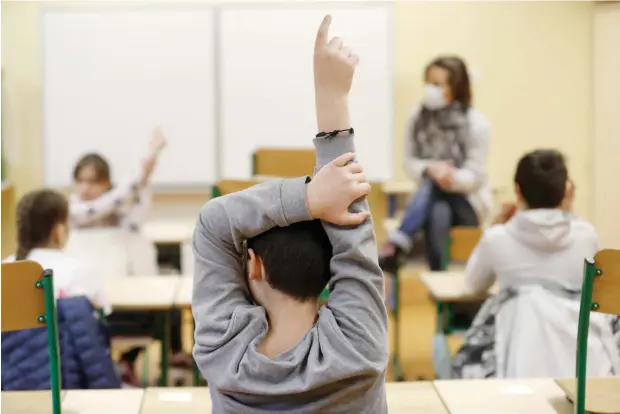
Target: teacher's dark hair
x,y
458,78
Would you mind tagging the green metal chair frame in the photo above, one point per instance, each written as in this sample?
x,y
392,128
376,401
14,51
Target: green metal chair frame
x,y
28,302
599,293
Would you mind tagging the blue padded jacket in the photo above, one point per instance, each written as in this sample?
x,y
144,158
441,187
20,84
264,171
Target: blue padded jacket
x,y
84,352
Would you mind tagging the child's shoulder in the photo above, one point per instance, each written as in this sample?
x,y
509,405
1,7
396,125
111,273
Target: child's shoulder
x,y
583,227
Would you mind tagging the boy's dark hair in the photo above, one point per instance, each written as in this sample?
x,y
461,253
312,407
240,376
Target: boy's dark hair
x,y
37,214
541,176
100,165
458,79
296,258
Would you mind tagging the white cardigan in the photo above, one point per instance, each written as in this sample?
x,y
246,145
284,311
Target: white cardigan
x,y
471,178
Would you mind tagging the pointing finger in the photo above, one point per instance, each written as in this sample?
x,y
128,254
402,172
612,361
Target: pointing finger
x,y
323,33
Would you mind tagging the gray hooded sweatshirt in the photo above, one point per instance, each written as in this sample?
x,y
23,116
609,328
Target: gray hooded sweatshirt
x,y
339,366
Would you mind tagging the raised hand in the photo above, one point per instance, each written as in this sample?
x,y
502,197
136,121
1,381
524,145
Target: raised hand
x,y
334,66
334,188
156,144
334,63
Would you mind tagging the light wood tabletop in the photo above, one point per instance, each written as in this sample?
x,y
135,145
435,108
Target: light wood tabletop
x,y
142,292
602,394
450,287
413,397
119,401
535,396
184,400
169,231
184,294
27,402
398,186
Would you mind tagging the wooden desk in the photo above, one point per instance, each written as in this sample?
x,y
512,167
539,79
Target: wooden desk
x,y
119,401
178,400
535,396
147,293
602,394
449,287
138,293
27,402
169,231
395,187
413,397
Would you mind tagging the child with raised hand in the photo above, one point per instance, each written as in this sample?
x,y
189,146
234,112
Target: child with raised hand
x,y
42,233
264,255
96,203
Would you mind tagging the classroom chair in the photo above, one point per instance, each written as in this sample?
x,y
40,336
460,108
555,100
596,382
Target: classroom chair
x,y
283,162
459,247
599,293
28,302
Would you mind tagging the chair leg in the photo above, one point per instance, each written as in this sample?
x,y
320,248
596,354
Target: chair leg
x,y
51,320
582,336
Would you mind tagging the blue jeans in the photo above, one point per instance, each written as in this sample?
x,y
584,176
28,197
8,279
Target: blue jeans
x,y
435,211
418,208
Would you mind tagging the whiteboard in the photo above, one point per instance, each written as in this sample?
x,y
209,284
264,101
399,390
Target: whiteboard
x,y
111,75
267,89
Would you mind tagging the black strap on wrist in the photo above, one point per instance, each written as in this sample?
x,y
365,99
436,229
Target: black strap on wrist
x,y
333,133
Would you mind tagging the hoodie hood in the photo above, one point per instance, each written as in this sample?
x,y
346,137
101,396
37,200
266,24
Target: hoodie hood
x,y
543,229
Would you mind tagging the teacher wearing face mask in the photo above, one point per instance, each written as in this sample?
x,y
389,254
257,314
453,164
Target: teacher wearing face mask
x,y
446,146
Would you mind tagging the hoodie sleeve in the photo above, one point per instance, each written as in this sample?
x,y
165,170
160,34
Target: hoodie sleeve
x,y
479,275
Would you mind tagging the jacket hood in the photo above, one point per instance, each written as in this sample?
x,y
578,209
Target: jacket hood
x,y
544,229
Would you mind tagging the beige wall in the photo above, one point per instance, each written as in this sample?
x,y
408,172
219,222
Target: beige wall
x,y
606,168
534,60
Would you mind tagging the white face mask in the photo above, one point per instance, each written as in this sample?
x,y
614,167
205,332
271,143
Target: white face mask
x,y
433,97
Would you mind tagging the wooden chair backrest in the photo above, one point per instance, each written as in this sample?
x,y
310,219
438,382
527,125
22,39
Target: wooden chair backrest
x,y
606,287
377,201
22,301
232,186
283,162
463,241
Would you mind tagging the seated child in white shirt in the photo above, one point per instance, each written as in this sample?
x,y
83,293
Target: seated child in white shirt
x,y
42,233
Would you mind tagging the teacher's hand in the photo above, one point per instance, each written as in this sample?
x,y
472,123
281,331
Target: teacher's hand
x,y
442,173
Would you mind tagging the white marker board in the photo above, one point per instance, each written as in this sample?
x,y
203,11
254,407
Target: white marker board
x,y
266,81
111,74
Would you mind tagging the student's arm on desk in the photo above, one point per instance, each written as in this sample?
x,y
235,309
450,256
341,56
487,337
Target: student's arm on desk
x,y
219,280
356,296
479,276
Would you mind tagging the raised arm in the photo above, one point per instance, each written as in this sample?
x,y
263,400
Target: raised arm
x,y
356,296
85,212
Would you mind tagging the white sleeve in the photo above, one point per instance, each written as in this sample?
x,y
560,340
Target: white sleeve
x,y
479,275
472,173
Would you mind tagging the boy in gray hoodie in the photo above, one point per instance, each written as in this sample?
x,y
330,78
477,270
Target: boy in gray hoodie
x,y
260,341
